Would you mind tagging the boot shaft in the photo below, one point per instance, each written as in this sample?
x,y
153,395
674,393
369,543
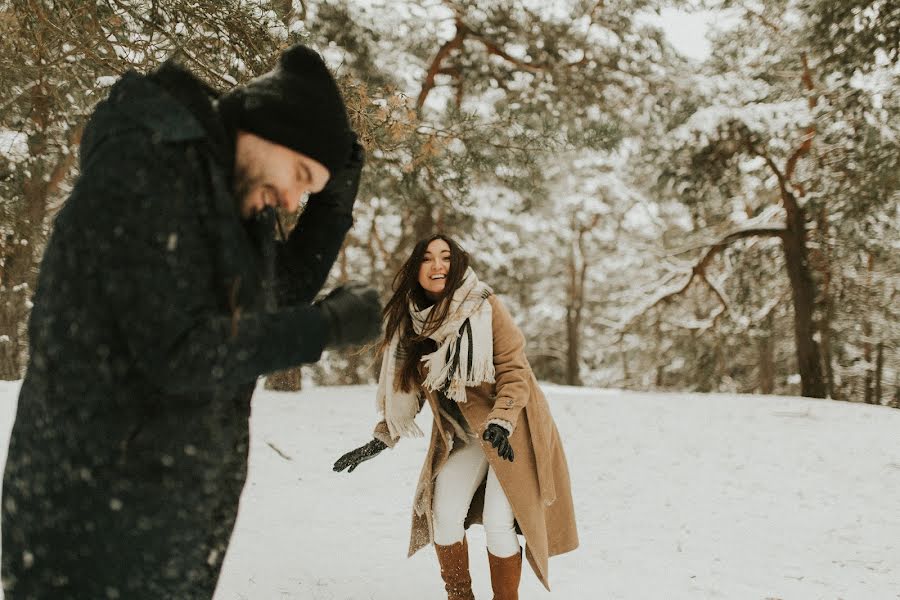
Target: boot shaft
x,y
505,576
454,563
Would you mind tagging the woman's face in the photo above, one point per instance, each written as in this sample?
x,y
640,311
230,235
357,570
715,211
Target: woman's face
x,y
434,268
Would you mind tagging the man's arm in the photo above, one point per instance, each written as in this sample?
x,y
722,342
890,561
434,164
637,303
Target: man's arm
x,y
304,260
153,258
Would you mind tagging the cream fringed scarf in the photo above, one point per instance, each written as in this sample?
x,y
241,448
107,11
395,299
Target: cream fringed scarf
x,y
465,356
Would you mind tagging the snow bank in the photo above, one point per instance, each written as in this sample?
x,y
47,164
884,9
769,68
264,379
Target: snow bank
x,y
678,496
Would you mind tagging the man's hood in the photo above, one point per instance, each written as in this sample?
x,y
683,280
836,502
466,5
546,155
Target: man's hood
x,y
169,103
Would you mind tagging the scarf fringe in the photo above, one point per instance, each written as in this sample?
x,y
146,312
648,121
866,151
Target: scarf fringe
x,y
464,358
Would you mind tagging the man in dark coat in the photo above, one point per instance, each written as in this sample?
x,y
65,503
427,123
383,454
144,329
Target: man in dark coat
x,y
163,295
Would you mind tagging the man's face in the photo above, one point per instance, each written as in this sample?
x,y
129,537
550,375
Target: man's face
x,y
269,174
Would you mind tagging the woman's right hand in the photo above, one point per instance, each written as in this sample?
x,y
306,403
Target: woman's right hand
x,y
353,458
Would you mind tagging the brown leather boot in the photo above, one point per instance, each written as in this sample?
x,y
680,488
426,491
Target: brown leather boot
x,y
454,561
505,576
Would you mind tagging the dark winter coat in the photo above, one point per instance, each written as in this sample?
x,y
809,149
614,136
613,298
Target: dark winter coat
x,y
149,328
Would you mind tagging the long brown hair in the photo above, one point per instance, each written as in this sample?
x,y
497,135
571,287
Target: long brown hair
x,y
408,290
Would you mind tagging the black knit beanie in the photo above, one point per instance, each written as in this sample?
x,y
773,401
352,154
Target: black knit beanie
x,y
297,105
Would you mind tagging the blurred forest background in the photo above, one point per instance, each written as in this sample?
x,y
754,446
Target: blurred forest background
x,y
653,221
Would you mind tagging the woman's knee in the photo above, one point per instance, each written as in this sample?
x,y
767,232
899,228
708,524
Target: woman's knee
x,y
497,513
449,522
447,508
499,523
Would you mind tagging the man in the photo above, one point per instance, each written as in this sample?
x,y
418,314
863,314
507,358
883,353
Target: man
x,y
163,294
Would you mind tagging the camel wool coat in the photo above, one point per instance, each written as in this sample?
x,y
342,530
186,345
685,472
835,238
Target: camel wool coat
x,y
536,482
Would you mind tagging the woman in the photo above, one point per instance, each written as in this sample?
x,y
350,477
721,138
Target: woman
x,y
495,455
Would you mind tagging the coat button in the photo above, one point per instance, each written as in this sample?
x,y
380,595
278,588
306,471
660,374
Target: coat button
x,y
509,403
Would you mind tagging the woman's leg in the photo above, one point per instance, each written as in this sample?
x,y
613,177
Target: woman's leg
x,y
504,554
499,521
454,487
453,490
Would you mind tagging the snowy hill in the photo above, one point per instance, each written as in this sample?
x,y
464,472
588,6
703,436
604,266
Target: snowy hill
x,y
678,496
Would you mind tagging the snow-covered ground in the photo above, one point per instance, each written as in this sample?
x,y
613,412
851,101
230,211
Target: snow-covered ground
x,y
678,496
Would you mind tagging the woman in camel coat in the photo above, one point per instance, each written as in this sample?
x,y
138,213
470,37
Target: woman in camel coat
x,y
495,455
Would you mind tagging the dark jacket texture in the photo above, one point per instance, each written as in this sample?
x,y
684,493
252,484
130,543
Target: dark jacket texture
x,y
156,309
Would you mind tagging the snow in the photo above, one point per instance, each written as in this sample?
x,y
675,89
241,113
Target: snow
x,y
13,144
689,30
678,496
764,117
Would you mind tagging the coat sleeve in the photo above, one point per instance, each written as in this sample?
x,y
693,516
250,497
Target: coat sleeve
x,y
382,433
511,370
305,258
152,256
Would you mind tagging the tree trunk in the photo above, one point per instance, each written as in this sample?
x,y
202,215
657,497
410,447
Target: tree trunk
x,y
289,380
868,392
803,289
12,308
879,370
47,170
766,381
572,351
660,363
826,302
18,272
358,360
827,355
803,293
577,272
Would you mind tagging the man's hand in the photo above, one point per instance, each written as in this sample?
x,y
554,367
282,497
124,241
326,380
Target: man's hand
x,y
342,187
353,311
355,457
499,439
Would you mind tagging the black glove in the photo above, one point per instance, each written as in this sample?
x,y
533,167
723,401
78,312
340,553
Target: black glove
x,y
353,458
340,191
499,439
353,311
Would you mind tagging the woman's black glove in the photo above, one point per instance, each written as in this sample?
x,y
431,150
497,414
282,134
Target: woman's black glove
x,y
340,191
353,458
499,439
353,311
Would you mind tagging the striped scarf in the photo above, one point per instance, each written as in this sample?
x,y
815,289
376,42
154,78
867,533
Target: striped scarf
x,y
465,356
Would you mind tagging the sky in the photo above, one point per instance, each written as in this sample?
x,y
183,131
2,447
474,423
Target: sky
x,y
687,30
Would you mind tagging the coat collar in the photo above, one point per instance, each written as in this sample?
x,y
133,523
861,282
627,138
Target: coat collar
x,y
169,102
145,102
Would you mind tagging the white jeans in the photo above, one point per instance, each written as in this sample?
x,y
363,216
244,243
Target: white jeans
x,y
456,483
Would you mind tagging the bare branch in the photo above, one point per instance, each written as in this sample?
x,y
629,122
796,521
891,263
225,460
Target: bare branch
x,y
436,64
493,48
733,236
806,142
62,168
376,243
761,18
698,270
